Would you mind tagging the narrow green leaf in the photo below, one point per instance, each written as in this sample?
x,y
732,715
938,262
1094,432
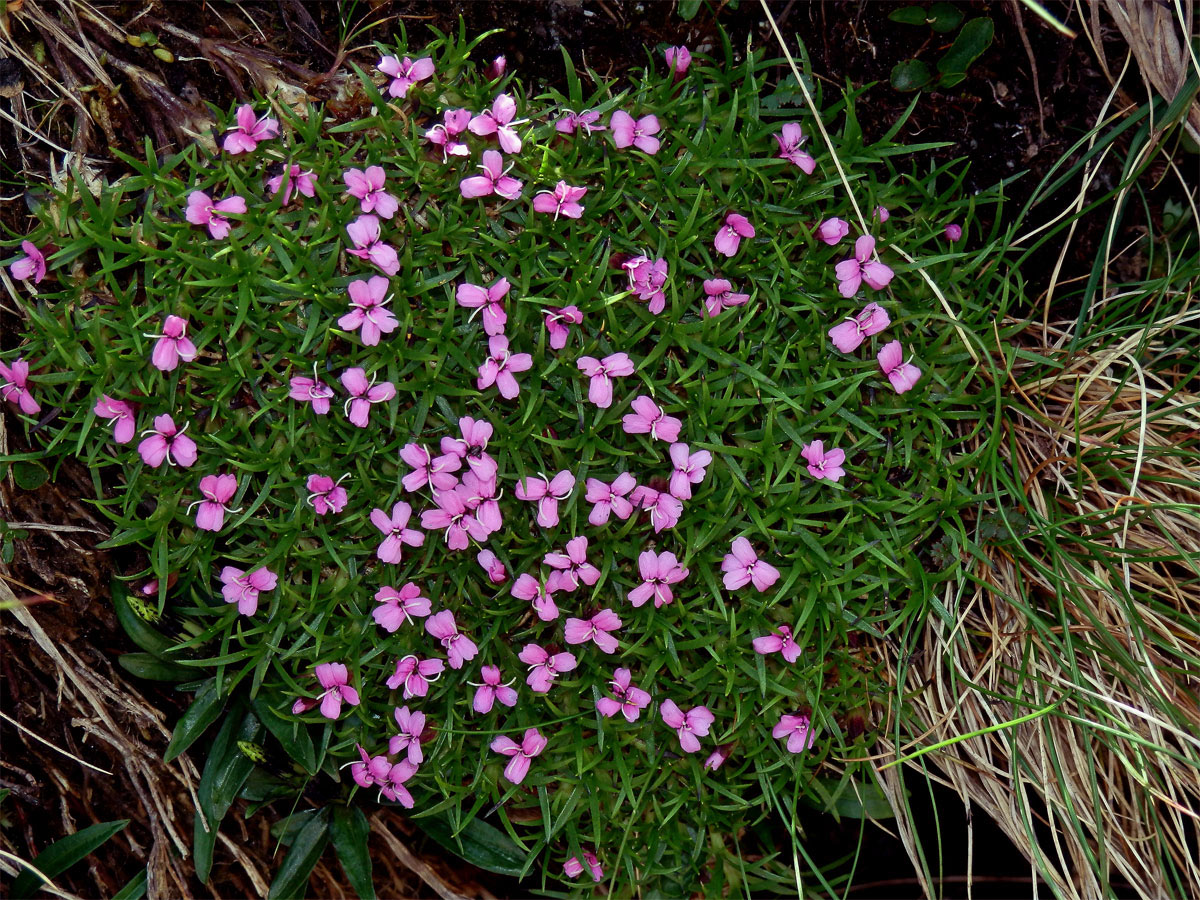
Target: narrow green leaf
x,y
479,843
63,854
205,709
135,889
975,37
349,830
291,881
139,631
152,668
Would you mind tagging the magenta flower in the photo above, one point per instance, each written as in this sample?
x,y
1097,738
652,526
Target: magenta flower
x,y
648,418
822,463
563,199
473,446
690,726
571,567
640,134
14,386
326,495
396,532
490,563
482,500
490,300
851,273
408,741
902,375
404,72
336,680
243,588
217,490
496,69
363,395
528,588
491,690
311,390
597,629
831,231
717,758
124,422
779,641
610,498
953,233
665,509
659,571
601,372
499,120
797,730
647,279
201,210
368,244
249,130
367,187
559,322
790,141
293,177
459,648
573,868
544,667
445,135
587,120
690,468
518,767
172,345
367,310
881,214
428,470
500,366
31,265
494,180
167,443
742,566
729,236
719,295
678,59
393,787
371,771
848,335
628,699
453,516
398,607
546,492
415,674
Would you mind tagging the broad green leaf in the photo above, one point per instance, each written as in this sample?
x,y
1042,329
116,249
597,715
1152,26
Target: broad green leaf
x,y
292,735
139,630
135,889
291,881
687,9
944,17
975,37
909,15
205,709
479,843
153,668
225,771
63,854
29,475
349,830
910,75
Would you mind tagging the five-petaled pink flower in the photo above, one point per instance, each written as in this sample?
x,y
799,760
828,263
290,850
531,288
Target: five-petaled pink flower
x,y
659,571
610,498
571,567
601,372
573,868
690,726
678,59
953,233
494,180
31,265
528,588
218,490
797,730
664,507
491,690
167,443
824,463
415,674
243,588
489,299
408,741
851,273
396,532
544,667
563,199
903,375
454,122
640,134
597,629
311,390
831,231
729,236
848,335
368,188
499,120
372,770
490,563
14,386
363,395
368,244
587,120
719,295
647,279
742,566
459,648
790,140
453,516
648,418
396,607
547,493
124,422
367,310
428,469
335,678
326,495
392,785
500,366
559,322
531,745
779,641
689,468
472,446
201,210
172,345
404,72
628,699
293,178
249,130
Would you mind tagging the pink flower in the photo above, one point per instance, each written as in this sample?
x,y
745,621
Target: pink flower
x,y
454,123
559,322
544,667
798,731
14,386
494,180
690,468
563,199
371,771
124,423
31,265
779,641
790,141
472,296
396,532
393,787
848,335
659,571
367,310
243,588
881,214
851,273
428,470
610,498
248,131
648,418
408,741
415,674
690,726
586,120
172,345
496,69
167,443
717,758
678,59
363,395
571,567
596,629
720,296
742,566
472,446
546,492
491,690
600,374
665,509
822,464
490,563
368,244
367,187
202,211
336,680
499,367
458,521
482,500
729,236
628,699
647,279
573,868
531,745
404,72
831,231
953,233
531,590
499,121
293,177
218,490
326,495
639,134
902,375
398,607
459,647
311,390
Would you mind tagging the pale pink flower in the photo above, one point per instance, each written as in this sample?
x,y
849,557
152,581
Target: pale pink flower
x,y
600,373
499,120
415,674
121,414
719,295
628,699
494,180
490,563
953,233
729,236
396,532
587,120
326,495
547,493
881,214
717,758
243,588
518,767
678,59
172,345
903,375
689,468
367,310
398,607
790,140
459,648
14,386
335,678
311,390
368,188
491,690
573,868
779,641
647,280
201,210
572,567
528,588
831,231
368,244
167,443
610,498
500,366
293,178
472,446
659,571
797,730
664,508
742,566
245,136
429,470
445,135
559,322
598,629
563,199
544,667
648,418
823,463
217,490
851,273
690,726
408,741
848,335
363,395
640,133
404,72
490,300
31,265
